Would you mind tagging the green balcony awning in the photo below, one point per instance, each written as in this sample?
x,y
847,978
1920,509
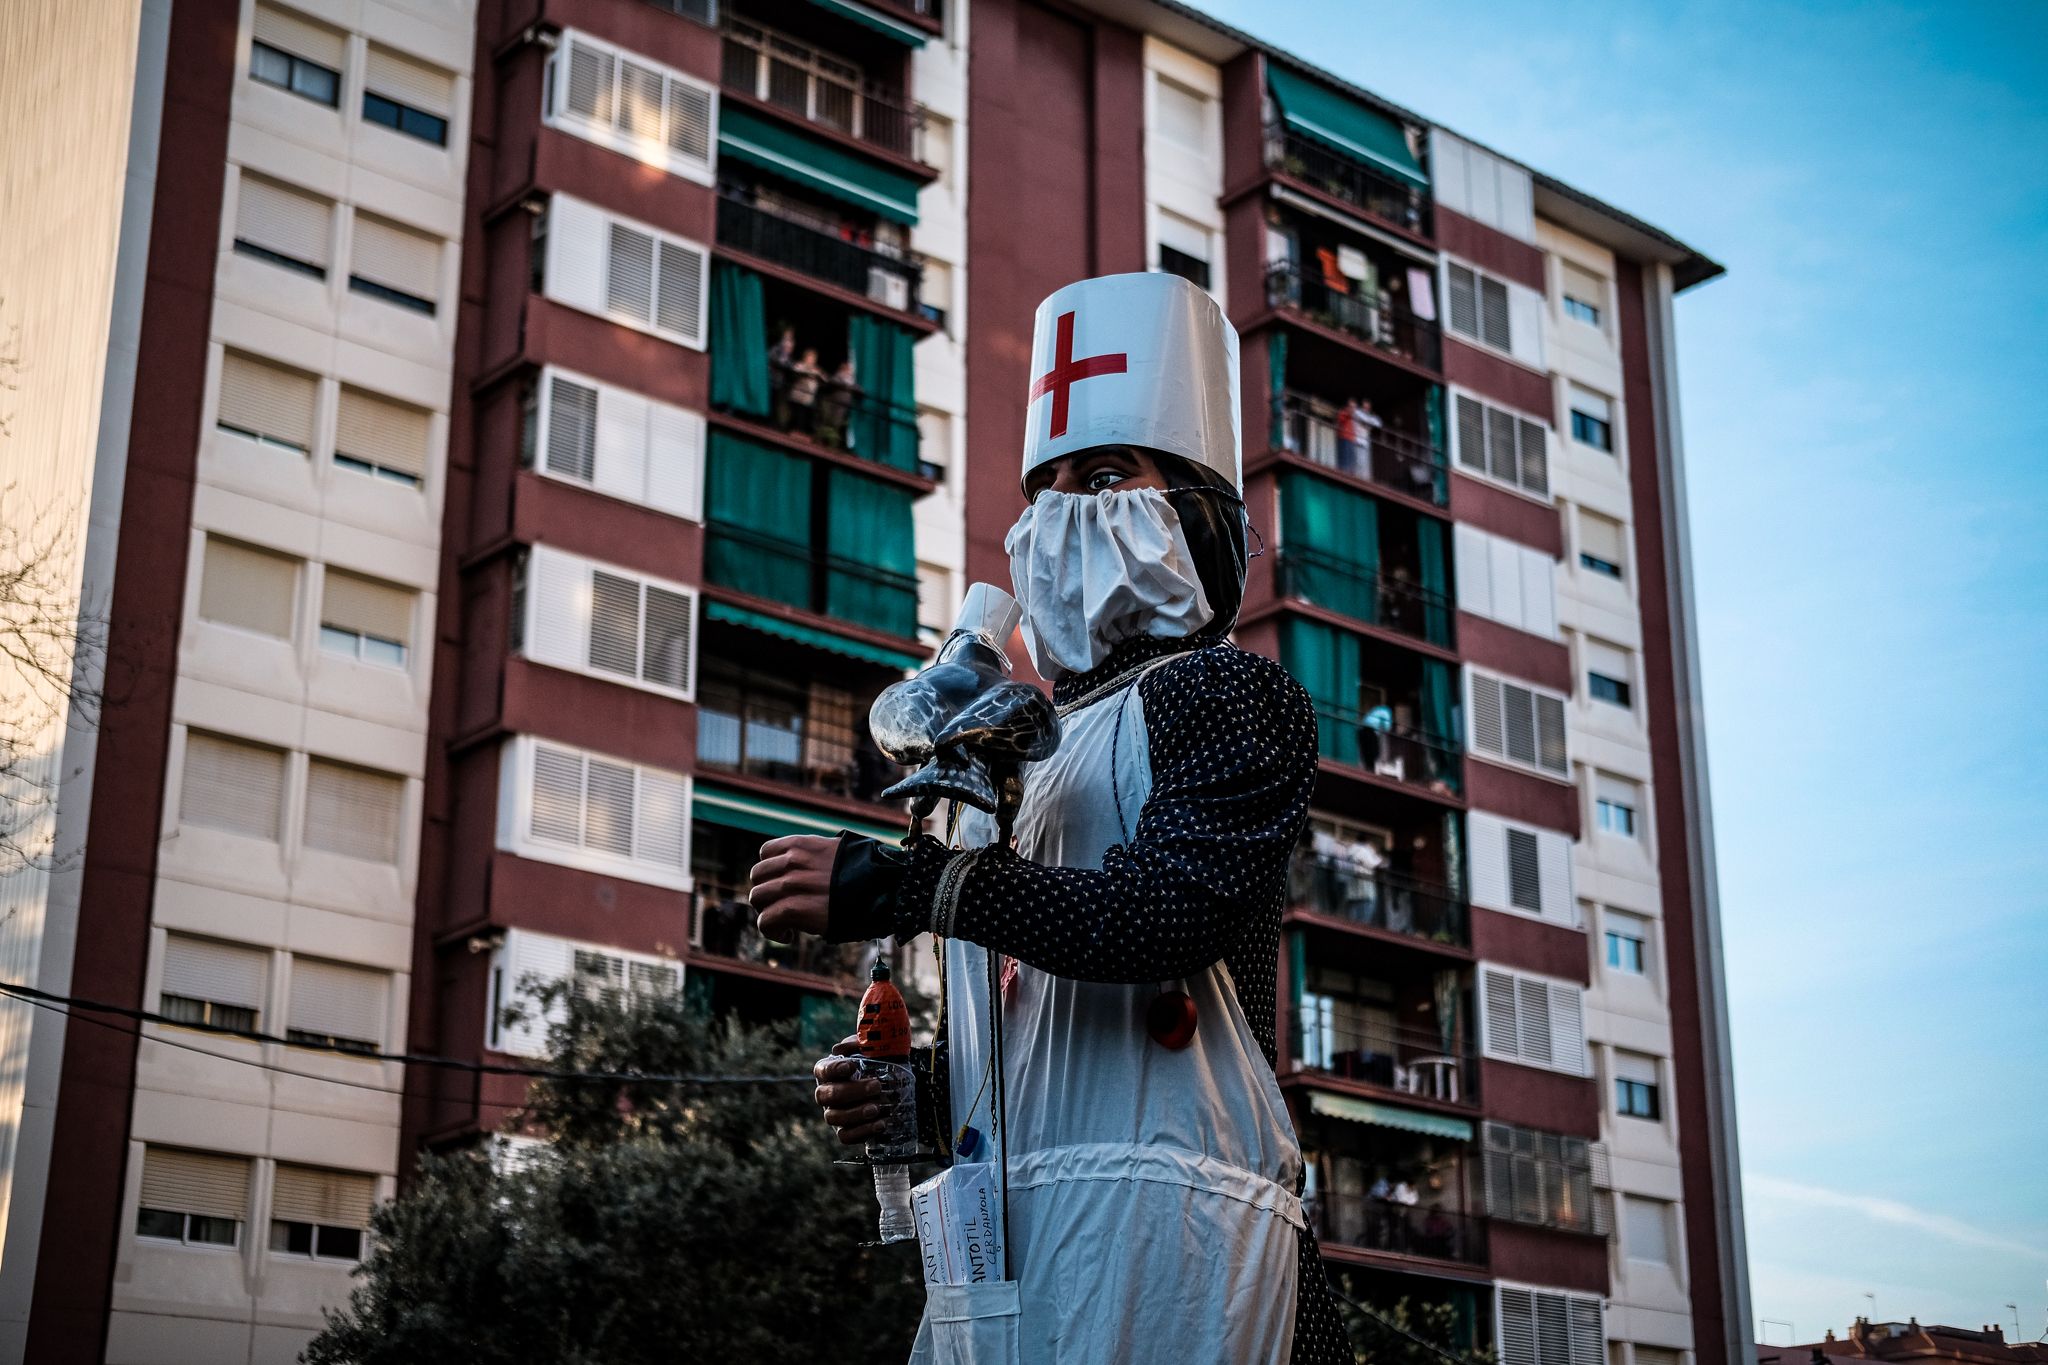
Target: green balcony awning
x,y
1344,125
1390,1116
771,819
906,34
798,633
851,179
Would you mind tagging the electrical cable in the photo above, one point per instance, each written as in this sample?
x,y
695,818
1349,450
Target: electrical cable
x,y
67,1003
1390,1325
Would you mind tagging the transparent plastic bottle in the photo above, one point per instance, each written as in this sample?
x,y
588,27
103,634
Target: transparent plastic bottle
x,y
884,1032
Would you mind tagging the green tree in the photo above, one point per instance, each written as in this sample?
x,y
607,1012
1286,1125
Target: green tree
x,y
662,1222
1409,1332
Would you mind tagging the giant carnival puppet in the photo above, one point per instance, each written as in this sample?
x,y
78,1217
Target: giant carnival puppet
x,y
1109,946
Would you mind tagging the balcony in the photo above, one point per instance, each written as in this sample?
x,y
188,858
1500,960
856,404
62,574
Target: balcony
x,y
1399,753
1366,1223
1379,898
722,926
818,88
1329,299
1391,598
1385,197
843,254
809,736
1338,1038
1382,454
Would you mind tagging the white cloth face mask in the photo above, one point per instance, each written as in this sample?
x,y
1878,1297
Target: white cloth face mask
x,y
1092,570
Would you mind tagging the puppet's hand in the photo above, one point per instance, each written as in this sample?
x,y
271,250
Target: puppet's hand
x,y
851,1105
792,885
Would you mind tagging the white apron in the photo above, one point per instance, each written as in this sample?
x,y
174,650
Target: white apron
x,y
1153,1219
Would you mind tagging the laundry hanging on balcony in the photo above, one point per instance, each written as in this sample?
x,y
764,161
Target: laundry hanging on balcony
x,y
1345,126
739,341
846,176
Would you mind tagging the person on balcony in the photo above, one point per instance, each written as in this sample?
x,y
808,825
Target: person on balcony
x,y
1153,1174
781,359
835,405
804,379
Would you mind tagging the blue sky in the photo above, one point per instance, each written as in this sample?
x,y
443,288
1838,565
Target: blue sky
x,y
1865,397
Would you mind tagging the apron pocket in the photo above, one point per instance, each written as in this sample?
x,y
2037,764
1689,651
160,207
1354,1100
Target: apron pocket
x,y
973,1324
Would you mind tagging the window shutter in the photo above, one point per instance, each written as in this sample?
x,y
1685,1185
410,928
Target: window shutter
x,y
333,1000
675,461
367,607
1475,578
622,422
1532,1020
1504,567
353,811
410,82
1488,734
1553,1331
336,1199
557,795
397,257
559,602
1503,1032
1551,753
279,218
608,793
629,274
1488,838
1471,433
1498,1169
1567,1028
668,646
587,93
1588,1332
571,444
1500,445
204,1183
1583,284
1635,1066
1519,714
1601,537
1535,456
267,400
1525,878
691,112
680,306
1554,861
231,785
1464,300
1493,312
1524,333
289,33
576,250
1592,404
1516,1322
380,431
526,957
662,832
240,585
1539,593
641,96
614,645
220,973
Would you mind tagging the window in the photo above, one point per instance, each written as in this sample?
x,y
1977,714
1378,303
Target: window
x,y
1602,687
1536,1327
1616,801
382,438
366,620
320,1214
1636,1090
283,225
1543,1179
232,785
1474,182
1601,545
1646,1229
212,985
1505,581
1627,937
651,281
626,272
408,97
620,444
1502,445
1517,723
598,620
337,1006
1592,419
247,588
353,811
297,55
526,960
606,95
266,402
1185,247
1518,867
579,809
192,1198
1533,1020
1479,306
1575,307
1585,294
1608,670
396,264
1187,267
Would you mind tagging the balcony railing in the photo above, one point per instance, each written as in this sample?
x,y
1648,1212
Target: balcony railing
x,y
1374,596
818,88
810,742
1384,197
722,925
1380,899
818,408
819,250
1370,1224
1410,1061
1371,318
827,584
1392,459
1404,754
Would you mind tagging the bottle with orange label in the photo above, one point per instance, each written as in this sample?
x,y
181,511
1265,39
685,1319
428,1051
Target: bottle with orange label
x,y
884,1034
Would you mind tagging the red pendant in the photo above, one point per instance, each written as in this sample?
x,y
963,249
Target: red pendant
x,y
1171,1019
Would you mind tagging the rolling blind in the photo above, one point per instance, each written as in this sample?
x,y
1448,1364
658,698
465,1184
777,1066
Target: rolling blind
x,y
410,82
258,398
232,785
1601,537
353,811
339,1199
240,585
331,1000
289,33
380,431
1635,1066
220,973
367,607
178,1181
1584,285
397,257
1592,404
284,220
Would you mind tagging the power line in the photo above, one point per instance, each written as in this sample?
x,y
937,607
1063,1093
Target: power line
x,y
67,1004
1398,1330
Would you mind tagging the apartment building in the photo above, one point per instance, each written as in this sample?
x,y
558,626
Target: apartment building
x,y
553,421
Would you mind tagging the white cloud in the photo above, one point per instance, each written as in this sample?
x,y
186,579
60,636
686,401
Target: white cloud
x,y
1882,1210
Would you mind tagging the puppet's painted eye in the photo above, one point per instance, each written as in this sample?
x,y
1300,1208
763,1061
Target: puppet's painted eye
x,y
1105,478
